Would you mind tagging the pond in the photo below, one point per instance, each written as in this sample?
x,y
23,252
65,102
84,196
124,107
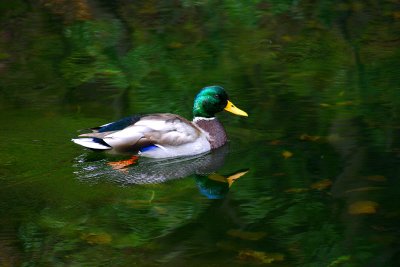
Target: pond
x,y
310,178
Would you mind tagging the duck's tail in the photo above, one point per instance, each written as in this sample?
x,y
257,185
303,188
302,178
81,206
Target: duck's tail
x,y
92,143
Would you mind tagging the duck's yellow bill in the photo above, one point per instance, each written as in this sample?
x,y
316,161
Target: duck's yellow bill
x,y
232,108
227,179
230,179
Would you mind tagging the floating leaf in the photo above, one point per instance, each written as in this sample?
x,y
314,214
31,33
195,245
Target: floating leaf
x,y
325,105
253,236
287,154
306,137
97,238
175,45
363,207
259,256
321,185
396,15
296,190
276,142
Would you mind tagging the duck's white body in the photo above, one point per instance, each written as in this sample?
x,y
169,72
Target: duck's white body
x,y
154,136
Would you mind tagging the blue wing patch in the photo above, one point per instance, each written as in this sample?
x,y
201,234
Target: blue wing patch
x,y
148,148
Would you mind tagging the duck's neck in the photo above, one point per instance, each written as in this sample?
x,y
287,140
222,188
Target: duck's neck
x,y
216,132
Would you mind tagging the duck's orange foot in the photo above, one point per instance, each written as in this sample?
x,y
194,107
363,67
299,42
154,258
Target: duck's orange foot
x,y
122,164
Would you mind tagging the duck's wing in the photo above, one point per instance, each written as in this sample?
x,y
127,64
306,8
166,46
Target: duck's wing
x,y
117,125
134,133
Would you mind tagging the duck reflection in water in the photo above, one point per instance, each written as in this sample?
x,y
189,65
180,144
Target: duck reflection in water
x,y
92,167
216,186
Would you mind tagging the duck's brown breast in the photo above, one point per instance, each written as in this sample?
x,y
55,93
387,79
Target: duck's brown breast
x,y
216,131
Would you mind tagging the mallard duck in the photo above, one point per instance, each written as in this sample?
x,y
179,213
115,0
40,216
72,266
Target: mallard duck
x,y
166,135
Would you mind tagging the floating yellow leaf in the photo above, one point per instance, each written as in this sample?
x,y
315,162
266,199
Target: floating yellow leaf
x,y
96,238
260,256
253,236
175,45
376,178
296,190
321,185
363,207
306,137
276,142
287,154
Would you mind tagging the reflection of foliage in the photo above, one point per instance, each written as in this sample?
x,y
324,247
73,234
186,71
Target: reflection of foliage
x,y
169,43
91,58
122,225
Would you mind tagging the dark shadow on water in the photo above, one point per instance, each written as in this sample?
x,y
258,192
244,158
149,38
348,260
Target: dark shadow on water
x,y
94,168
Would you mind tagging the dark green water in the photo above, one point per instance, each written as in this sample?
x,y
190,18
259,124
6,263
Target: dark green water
x,y
319,79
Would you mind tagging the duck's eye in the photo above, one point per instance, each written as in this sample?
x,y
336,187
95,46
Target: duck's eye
x,y
216,96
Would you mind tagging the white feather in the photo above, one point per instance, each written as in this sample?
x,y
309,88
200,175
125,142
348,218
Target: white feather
x,y
129,135
89,143
201,145
172,132
196,119
173,136
157,125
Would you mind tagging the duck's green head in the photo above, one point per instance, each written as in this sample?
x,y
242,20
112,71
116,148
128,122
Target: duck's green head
x,y
211,100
